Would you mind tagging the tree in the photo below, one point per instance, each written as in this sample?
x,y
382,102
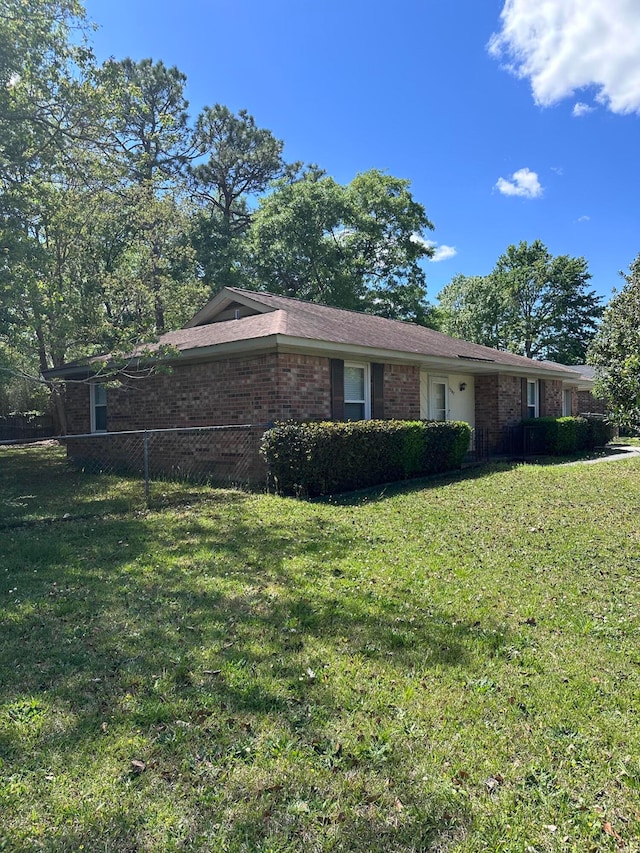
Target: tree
x,y
615,352
356,246
532,303
150,132
473,308
45,91
242,160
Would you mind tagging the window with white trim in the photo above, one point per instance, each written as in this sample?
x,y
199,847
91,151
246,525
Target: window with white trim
x,y
532,398
357,392
566,402
98,407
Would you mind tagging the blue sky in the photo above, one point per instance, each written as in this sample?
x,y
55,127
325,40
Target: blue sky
x,y
513,121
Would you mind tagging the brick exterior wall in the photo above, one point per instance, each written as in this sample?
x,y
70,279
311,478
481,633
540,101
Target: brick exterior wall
x,y
551,402
587,403
498,406
280,386
254,390
498,400
401,391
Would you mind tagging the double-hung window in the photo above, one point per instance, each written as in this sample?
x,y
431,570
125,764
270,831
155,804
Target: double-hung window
x,y
357,396
532,398
98,407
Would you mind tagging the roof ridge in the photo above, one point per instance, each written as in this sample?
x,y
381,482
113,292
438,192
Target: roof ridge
x,y
359,313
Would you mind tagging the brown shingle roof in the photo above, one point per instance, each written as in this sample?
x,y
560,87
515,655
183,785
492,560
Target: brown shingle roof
x,y
308,321
282,321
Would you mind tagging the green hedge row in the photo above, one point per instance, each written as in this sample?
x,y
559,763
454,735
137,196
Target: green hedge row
x,y
563,436
328,457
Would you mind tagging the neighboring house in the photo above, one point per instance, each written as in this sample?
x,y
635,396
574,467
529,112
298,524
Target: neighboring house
x,y
587,403
255,358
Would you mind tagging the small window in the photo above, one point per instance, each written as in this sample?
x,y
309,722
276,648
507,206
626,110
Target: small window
x,y
356,392
98,408
566,403
532,398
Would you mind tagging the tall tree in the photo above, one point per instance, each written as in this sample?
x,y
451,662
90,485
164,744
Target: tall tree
x,y
532,303
150,130
242,160
354,246
615,351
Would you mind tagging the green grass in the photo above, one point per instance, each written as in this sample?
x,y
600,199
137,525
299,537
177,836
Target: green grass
x,y
453,667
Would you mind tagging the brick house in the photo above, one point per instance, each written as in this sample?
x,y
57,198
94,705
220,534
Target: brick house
x,y
255,358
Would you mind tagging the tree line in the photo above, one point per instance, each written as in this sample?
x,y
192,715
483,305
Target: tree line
x,y
120,215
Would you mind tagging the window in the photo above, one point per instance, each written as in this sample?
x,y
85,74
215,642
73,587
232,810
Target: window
x,y
532,398
98,408
356,392
566,402
438,401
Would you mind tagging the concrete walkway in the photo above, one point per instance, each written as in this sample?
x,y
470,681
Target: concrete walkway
x,y
622,451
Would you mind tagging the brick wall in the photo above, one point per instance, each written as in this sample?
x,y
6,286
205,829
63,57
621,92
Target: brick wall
x,y
586,403
551,405
401,391
76,407
256,390
498,406
486,403
304,388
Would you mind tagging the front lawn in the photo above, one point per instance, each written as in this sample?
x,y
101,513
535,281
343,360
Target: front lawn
x,y
453,667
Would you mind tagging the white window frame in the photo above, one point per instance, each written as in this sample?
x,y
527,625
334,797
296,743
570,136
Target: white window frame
x,y
533,383
367,388
567,402
94,404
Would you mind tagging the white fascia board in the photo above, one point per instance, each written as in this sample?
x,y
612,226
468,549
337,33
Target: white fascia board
x,y
450,364
220,302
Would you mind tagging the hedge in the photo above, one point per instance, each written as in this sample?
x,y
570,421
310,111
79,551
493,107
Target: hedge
x,y
563,436
328,457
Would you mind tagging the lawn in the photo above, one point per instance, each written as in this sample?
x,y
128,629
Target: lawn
x,y
449,667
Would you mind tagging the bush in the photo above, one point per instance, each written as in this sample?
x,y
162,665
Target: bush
x,y
563,436
326,457
601,430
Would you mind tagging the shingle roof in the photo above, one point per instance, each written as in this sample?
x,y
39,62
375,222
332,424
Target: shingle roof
x,y
308,321
281,321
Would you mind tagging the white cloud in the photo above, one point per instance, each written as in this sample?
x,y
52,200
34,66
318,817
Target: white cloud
x,y
584,219
443,253
563,46
440,253
523,183
581,109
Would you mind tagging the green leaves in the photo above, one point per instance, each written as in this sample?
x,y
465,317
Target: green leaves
x,y
532,304
354,246
615,352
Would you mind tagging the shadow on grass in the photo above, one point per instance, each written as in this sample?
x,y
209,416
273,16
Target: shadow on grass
x,y
201,630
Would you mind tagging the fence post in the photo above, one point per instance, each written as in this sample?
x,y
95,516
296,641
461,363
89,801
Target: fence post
x,y
145,453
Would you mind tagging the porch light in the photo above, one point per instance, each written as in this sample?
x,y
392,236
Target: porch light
x,y
463,385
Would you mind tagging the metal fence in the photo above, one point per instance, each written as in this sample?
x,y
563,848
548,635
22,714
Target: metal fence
x,y
478,445
523,440
217,455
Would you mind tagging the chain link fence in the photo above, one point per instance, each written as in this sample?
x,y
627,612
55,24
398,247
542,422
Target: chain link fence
x,y
219,456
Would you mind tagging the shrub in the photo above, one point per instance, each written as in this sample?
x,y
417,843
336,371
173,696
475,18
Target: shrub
x,y
563,436
601,430
326,457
